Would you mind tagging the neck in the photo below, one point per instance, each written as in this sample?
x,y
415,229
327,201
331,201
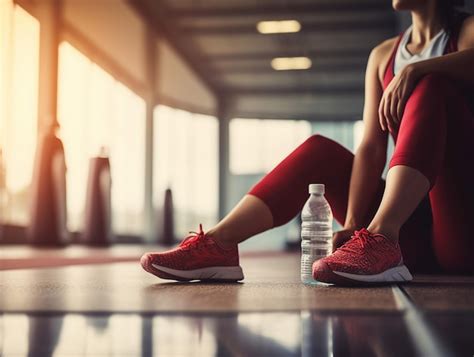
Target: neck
x,y
426,23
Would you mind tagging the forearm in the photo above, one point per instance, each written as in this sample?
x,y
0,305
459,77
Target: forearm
x,y
366,172
458,66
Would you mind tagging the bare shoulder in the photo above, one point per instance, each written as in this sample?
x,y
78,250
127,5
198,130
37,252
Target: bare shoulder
x,y
466,35
380,55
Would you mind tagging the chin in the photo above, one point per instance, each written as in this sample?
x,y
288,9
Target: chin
x,y
401,5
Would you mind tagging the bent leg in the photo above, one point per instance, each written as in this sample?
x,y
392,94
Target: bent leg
x,y
419,152
404,213
437,140
422,146
421,138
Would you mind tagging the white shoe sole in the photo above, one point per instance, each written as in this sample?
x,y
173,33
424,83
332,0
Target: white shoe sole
x,y
212,273
398,273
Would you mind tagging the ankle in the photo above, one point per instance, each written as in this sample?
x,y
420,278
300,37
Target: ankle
x,y
390,233
221,238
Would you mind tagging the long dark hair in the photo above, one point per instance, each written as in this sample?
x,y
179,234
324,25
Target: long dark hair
x,y
449,12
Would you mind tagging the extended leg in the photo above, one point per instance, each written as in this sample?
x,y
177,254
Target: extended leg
x,y
248,218
281,194
273,201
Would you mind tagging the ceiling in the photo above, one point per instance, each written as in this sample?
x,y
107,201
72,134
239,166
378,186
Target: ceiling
x,y
219,40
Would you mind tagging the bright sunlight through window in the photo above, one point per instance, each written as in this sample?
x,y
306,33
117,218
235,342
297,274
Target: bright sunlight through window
x,y
97,111
256,145
186,160
19,65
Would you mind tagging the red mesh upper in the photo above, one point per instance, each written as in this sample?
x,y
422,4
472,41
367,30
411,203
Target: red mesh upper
x,y
364,254
195,252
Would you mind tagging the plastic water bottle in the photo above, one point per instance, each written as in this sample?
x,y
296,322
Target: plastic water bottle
x,y
316,231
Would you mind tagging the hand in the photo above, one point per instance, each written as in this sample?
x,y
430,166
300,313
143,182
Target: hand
x,y
342,236
395,96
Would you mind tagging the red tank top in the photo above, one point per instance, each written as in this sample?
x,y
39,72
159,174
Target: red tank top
x,y
451,46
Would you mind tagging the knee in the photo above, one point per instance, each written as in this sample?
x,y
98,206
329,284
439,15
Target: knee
x,y
317,140
435,79
313,141
319,146
429,99
320,143
433,85
312,145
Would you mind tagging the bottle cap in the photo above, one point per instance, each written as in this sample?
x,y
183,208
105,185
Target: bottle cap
x,y
317,188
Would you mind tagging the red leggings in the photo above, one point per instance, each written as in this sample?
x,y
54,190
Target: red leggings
x,y
436,137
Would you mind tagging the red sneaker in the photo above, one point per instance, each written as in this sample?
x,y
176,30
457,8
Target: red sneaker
x,y
198,257
365,258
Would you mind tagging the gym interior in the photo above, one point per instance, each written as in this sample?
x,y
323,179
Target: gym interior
x,y
124,124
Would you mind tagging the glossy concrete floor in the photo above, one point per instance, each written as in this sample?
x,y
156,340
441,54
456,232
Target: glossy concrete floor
x,y
116,309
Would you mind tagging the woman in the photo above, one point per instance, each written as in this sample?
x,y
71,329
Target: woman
x,y
415,221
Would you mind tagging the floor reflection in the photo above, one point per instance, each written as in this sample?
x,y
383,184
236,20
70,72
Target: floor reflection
x,y
245,334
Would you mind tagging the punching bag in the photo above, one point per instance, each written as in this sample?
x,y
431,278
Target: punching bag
x,y
48,213
97,220
167,237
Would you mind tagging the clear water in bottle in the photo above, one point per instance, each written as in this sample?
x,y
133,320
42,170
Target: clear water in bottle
x,y
316,231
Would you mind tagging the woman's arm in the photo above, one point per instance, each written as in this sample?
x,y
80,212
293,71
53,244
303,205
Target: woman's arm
x,y
458,66
371,155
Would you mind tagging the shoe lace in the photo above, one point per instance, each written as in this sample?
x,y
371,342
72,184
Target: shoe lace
x,y
361,239
193,238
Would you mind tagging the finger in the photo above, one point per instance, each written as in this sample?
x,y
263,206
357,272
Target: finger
x,y
393,110
386,111
407,90
381,117
390,119
400,110
382,123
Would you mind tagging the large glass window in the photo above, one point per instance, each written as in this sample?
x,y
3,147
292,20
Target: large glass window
x,y
256,145
186,161
19,66
95,111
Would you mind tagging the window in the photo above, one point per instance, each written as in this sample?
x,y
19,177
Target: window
x,y
96,111
19,70
257,146
186,161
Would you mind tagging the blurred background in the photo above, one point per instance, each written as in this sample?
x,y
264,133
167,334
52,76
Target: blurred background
x,y
202,97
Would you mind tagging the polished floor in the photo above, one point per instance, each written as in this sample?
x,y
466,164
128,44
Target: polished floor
x,y
115,309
